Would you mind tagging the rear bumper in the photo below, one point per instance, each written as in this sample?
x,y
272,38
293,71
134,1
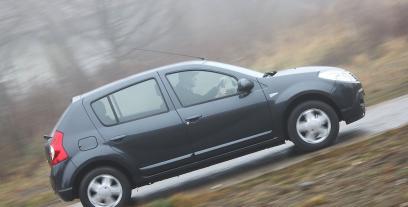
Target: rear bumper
x,y
66,194
60,180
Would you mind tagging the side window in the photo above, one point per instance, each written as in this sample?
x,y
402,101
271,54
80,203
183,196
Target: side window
x,y
138,101
134,102
104,111
193,87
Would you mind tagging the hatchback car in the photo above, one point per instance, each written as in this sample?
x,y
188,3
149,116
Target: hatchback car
x,y
182,117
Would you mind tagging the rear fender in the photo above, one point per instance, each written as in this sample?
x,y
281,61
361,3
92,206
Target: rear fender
x,y
103,156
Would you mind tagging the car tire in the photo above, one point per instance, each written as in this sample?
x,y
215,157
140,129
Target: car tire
x,y
105,185
312,125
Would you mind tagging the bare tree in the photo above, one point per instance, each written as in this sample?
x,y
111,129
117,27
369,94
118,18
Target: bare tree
x,y
127,25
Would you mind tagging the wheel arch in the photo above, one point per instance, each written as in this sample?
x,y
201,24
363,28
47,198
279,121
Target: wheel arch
x,y
86,168
308,96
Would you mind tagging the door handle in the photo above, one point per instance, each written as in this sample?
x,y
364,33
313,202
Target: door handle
x,y
118,138
193,119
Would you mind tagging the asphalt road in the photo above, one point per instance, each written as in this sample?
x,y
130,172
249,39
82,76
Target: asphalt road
x,y
381,117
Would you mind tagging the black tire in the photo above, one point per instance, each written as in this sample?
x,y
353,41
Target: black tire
x,y
123,180
300,144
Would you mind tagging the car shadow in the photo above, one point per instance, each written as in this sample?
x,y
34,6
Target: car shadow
x,y
228,169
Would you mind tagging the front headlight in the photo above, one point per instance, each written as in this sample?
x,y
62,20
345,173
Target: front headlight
x,y
338,75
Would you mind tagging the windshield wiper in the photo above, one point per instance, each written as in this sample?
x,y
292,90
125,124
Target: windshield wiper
x,y
269,74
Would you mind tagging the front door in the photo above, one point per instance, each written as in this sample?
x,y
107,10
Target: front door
x,y
218,118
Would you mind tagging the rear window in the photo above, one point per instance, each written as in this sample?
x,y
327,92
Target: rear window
x,y
138,101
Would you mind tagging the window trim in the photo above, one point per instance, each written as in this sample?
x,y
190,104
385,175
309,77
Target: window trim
x,y
113,108
206,70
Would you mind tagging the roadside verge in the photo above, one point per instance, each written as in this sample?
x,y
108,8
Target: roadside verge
x,y
370,171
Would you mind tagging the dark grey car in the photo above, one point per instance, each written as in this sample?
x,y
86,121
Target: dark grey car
x,y
182,117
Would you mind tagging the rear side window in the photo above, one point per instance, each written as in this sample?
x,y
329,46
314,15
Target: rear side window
x,y
104,111
138,101
134,102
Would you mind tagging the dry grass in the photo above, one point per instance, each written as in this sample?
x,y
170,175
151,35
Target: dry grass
x,y
383,69
314,201
364,43
26,182
369,173
28,188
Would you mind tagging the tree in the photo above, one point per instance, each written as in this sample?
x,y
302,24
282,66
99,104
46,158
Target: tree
x,y
127,26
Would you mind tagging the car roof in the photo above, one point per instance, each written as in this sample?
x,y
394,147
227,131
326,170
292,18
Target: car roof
x,y
166,67
108,85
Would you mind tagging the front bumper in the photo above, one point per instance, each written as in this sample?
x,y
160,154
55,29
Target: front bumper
x,y
357,109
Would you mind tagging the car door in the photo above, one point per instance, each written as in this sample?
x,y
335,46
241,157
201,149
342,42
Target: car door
x,y
140,122
219,119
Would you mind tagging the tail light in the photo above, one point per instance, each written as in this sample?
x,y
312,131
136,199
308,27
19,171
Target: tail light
x,y
57,151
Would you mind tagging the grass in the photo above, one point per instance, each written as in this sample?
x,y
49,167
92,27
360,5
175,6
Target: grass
x,y
383,69
374,47
373,172
28,189
315,201
26,182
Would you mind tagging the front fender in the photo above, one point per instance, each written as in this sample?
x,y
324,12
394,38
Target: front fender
x,y
282,92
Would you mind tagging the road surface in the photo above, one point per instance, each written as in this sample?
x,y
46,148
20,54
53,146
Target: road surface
x,y
381,117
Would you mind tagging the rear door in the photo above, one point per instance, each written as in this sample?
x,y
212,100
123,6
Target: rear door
x,y
141,123
219,119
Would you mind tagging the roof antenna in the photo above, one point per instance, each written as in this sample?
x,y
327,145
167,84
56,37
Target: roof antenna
x,y
167,53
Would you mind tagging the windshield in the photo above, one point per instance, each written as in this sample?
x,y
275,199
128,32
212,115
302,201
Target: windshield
x,y
245,71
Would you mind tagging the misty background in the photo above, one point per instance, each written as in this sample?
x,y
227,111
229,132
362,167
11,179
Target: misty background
x,y
51,51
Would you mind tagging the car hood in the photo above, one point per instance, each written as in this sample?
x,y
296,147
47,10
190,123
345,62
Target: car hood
x,y
302,70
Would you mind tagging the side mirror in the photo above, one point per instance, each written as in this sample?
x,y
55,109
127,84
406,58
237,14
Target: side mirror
x,y
245,85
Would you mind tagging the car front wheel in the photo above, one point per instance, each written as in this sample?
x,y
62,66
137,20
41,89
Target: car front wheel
x,y
104,187
313,125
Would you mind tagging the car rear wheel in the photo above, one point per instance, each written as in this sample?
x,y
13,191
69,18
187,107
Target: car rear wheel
x,y
313,125
105,187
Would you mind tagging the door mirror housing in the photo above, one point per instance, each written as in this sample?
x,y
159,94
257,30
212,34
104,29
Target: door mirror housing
x,y
245,85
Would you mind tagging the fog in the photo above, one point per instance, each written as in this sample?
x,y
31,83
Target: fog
x,y
51,51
